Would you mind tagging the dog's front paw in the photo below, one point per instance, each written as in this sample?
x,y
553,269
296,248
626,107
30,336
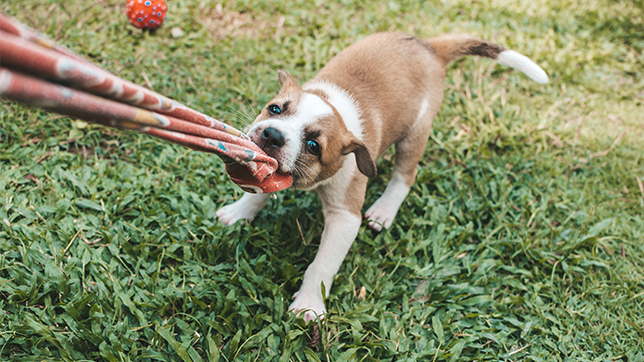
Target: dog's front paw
x,y
232,213
245,208
310,306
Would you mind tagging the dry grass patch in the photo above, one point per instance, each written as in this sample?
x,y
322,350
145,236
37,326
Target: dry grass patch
x,y
223,22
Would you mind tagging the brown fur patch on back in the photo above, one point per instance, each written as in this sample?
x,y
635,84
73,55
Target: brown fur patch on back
x,y
388,75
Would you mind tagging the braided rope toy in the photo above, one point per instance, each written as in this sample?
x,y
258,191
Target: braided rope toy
x,y
36,71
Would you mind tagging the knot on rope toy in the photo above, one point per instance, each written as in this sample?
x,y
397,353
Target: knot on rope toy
x,y
75,87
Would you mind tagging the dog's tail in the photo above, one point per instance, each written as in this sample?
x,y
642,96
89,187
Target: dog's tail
x,y
450,47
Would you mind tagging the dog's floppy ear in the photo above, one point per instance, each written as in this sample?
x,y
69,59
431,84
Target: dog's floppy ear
x,y
286,81
366,164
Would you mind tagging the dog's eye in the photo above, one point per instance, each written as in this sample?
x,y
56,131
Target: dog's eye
x,y
274,109
313,147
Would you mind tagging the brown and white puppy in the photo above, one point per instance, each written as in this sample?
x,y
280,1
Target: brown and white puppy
x,y
384,90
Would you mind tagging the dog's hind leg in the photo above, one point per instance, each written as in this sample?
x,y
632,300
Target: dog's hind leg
x,y
409,152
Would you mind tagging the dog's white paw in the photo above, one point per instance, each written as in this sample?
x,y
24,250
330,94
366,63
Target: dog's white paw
x,y
232,213
309,306
245,208
380,215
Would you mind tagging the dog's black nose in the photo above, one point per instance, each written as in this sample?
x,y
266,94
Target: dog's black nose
x,y
272,137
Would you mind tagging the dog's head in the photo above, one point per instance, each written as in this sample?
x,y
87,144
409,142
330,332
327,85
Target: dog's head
x,y
307,136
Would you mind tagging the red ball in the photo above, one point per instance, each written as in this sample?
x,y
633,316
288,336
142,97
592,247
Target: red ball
x,y
146,14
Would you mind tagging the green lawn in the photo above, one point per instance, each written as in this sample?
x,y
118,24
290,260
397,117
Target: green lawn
x,y
521,240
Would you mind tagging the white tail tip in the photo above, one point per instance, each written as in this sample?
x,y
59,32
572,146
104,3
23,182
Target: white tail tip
x,y
524,64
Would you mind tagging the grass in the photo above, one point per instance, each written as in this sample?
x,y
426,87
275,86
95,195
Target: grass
x,y
521,240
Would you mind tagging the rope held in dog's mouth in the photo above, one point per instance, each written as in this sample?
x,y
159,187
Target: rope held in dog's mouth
x,y
38,72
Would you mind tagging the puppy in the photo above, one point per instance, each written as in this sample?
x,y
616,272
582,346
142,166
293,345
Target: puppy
x,y
383,90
